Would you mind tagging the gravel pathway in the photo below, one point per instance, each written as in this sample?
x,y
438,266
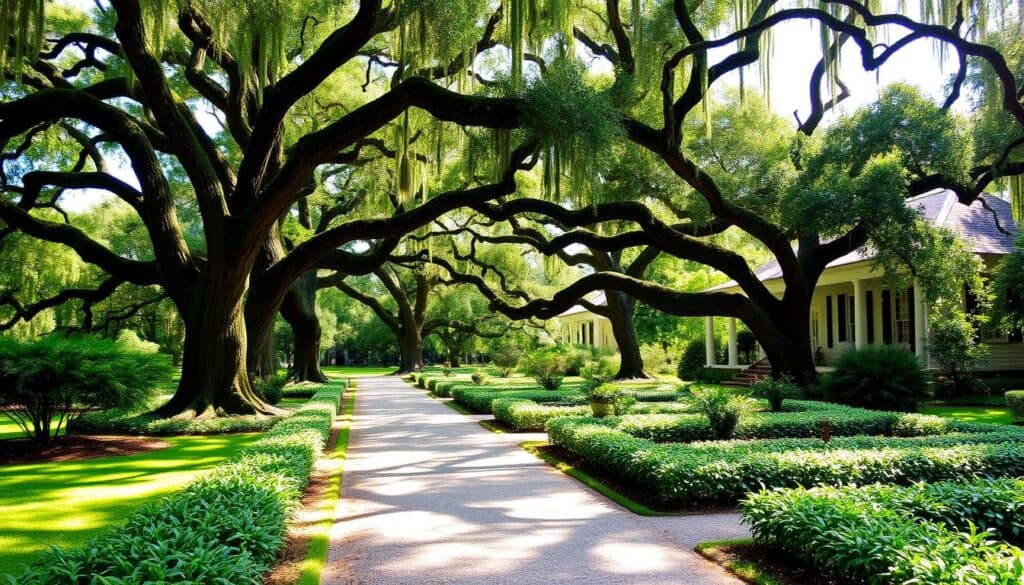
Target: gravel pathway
x,y
430,497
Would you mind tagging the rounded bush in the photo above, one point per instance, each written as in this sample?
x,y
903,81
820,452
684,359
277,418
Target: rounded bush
x,y
1015,402
884,378
691,361
547,365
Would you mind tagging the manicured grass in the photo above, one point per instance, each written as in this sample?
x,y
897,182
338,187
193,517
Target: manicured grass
x,y
978,414
338,372
65,503
316,552
9,430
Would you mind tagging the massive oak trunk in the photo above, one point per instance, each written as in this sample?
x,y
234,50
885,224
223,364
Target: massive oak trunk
x,y
620,313
453,357
214,376
410,344
299,309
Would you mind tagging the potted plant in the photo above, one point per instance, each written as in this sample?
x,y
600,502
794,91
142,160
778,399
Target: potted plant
x,y
602,399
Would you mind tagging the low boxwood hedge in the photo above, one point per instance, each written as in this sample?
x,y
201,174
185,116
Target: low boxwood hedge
x,y
927,533
479,398
526,415
691,474
116,422
226,527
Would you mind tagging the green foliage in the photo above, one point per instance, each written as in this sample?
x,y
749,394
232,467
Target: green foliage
x,y
725,471
117,422
224,528
480,399
1015,402
775,390
526,415
270,388
722,408
576,123
884,377
926,533
546,365
479,377
506,357
803,419
655,359
692,360
1008,288
597,373
604,393
952,342
59,377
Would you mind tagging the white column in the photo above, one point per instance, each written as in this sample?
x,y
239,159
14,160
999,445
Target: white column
x,y
920,324
734,359
760,353
860,316
709,341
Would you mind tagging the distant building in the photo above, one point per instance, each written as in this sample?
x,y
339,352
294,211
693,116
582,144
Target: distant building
x,y
579,325
852,307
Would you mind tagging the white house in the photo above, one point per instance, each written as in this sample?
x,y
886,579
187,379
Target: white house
x,y
852,307
578,325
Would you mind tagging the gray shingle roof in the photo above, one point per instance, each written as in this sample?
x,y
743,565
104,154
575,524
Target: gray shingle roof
x,y
979,227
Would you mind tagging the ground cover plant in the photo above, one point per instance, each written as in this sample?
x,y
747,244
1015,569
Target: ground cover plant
x,y
926,533
226,527
521,414
723,471
66,503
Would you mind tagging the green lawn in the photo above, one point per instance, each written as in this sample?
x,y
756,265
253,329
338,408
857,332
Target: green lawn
x,y
338,372
65,503
980,414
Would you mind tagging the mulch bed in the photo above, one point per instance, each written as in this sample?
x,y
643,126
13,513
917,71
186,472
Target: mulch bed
x,y
75,448
780,566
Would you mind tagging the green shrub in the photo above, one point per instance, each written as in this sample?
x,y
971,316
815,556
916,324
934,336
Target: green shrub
x,y
725,471
479,398
227,527
952,342
506,358
479,377
527,415
1015,402
655,359
884,534
432,384
61,378
882,377
722,408
775,390
692,360
421,381
270,388
713,375
546,365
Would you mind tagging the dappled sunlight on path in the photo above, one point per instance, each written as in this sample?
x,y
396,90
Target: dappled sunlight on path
x,y
430,497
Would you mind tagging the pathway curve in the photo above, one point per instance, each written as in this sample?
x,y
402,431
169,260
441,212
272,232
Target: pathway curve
x,y
430,497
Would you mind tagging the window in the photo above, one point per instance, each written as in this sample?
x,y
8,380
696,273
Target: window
x,y
815,329
869,304
843,316
828,319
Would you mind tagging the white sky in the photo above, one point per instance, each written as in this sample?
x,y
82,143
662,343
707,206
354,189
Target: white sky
x,y
797,49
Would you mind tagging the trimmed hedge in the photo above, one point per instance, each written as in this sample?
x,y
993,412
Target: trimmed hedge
x,y
478,399
526,415
115,422
724,471
1015,402
885,534
226,527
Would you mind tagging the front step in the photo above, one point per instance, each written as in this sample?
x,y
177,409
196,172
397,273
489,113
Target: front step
x,y
745,378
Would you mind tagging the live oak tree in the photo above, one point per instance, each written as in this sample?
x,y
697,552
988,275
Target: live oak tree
x,y
129,81
828,192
